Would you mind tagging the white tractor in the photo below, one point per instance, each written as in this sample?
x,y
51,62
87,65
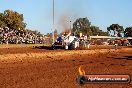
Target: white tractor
x,y
66,42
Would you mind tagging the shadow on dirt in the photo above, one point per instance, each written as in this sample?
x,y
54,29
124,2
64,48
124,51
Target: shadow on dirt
x,y
42,47
128,56
48,47
125,57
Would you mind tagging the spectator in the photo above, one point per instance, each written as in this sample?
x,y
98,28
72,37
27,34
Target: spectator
x,y
13,36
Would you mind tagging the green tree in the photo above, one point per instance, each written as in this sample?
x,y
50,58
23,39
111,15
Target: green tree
x,y
2,23
115,28
13,19
81,25
84,26
128,32
96,31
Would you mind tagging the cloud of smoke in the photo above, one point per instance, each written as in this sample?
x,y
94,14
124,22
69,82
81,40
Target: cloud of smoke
x,y
66,17
64,22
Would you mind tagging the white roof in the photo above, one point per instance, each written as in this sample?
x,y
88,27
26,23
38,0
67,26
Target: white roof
x,y
107,37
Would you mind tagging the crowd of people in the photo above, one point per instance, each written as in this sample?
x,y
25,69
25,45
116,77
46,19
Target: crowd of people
x,y
15,36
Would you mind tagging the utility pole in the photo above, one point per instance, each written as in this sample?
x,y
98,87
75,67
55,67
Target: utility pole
x,y
70,25
53,28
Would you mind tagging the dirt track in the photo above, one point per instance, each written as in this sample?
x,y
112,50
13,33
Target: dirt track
x,y
27,67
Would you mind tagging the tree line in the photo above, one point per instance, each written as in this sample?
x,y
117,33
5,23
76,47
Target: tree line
x,y
84,26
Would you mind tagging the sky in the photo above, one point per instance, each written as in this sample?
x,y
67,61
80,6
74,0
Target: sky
x,y
101,13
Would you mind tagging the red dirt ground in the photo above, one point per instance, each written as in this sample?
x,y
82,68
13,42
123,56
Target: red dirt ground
x,y
27,67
